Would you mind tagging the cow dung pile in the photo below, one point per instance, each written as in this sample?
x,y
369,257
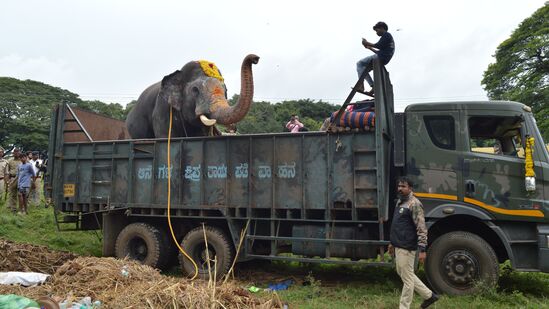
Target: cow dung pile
x,y
128,284
31,258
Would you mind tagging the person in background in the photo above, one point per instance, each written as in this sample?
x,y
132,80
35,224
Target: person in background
x,y
294,125
34,195
497,148
13,165
4,175
25,178
231,130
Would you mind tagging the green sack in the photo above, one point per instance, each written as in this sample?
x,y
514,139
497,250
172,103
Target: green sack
x,y
12,301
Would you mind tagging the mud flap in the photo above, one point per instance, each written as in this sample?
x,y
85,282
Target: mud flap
x,y
113,223
543,245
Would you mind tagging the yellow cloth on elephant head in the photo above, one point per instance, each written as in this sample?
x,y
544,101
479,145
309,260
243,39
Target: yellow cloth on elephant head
x,y
210,69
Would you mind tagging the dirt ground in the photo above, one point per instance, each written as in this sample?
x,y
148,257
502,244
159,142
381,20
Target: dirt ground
x,y
118,283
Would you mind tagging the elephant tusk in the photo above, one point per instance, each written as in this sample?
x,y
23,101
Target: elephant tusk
x,y
207,121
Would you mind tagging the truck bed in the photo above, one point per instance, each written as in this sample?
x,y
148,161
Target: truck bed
x,y
294,172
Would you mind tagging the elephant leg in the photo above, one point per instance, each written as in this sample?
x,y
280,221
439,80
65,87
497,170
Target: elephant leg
x,y
161,123
140,129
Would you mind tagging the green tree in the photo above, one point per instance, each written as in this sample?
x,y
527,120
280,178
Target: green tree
x,y
129,107
543,122
26,107
265,117
113,110
25,111
304,108
260,120
521,70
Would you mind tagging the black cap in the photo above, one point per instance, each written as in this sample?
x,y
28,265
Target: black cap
x,y
382,25
35,153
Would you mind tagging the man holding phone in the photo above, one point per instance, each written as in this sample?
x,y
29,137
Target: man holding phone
x,y
294,125
384,49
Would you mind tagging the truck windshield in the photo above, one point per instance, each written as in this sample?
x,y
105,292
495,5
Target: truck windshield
x,y
496,135
539,139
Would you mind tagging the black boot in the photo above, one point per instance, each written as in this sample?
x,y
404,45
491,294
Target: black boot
x,y
428,302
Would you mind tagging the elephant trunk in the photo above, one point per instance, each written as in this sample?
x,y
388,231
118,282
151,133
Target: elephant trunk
x,y
233,114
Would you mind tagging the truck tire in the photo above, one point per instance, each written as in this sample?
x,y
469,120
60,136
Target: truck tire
x,y
219,246
144,243
458,262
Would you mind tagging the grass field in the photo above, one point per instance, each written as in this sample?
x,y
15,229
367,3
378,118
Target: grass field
x,y
38,227
353,287
328,286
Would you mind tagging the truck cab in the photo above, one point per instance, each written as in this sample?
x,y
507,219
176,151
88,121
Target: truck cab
x,y
468,162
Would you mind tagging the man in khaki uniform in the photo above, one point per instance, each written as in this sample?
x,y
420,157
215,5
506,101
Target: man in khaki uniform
x,y
13,165
4,175
408,235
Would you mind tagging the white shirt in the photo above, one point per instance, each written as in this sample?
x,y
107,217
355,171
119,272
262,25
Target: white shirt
x,y
33,163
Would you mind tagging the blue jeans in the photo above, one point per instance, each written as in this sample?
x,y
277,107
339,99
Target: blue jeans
x,y
366,64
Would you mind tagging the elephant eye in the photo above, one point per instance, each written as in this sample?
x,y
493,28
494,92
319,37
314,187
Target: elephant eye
x,y
195,90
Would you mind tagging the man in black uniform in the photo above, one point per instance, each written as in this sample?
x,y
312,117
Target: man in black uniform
x,y
383,49
409,234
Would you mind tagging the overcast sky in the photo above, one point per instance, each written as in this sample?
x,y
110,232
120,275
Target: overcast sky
x,y
111,50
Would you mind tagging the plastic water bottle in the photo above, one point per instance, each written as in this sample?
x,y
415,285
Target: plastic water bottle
x,y
124,271
86,301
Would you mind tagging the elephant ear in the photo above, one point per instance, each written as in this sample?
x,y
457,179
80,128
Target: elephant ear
x,y
172,89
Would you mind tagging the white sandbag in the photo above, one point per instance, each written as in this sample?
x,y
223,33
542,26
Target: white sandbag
x,y
22,278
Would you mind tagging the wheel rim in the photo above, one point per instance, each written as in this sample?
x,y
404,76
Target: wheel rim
x,y
138,249
201,255
460,269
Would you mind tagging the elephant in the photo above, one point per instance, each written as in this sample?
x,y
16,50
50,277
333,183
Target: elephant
x,y
198,98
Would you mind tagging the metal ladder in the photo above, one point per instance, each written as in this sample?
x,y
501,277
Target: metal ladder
x,y
98,182
349,98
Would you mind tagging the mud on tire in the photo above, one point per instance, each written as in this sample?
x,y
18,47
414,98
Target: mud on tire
x,y
219,245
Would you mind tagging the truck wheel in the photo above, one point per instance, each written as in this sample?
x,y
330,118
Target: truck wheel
x,y
219,246
458,262
144,243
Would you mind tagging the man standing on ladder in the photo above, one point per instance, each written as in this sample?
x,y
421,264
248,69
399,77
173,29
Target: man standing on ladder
x,y
383,49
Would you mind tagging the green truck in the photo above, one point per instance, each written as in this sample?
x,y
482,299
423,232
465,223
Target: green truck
x,y
319,197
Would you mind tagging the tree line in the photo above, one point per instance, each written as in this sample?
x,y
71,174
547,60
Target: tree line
x,y
26,107
521,70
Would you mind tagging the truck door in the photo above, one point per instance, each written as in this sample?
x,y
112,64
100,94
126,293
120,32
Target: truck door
x,y
431,154
493,168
